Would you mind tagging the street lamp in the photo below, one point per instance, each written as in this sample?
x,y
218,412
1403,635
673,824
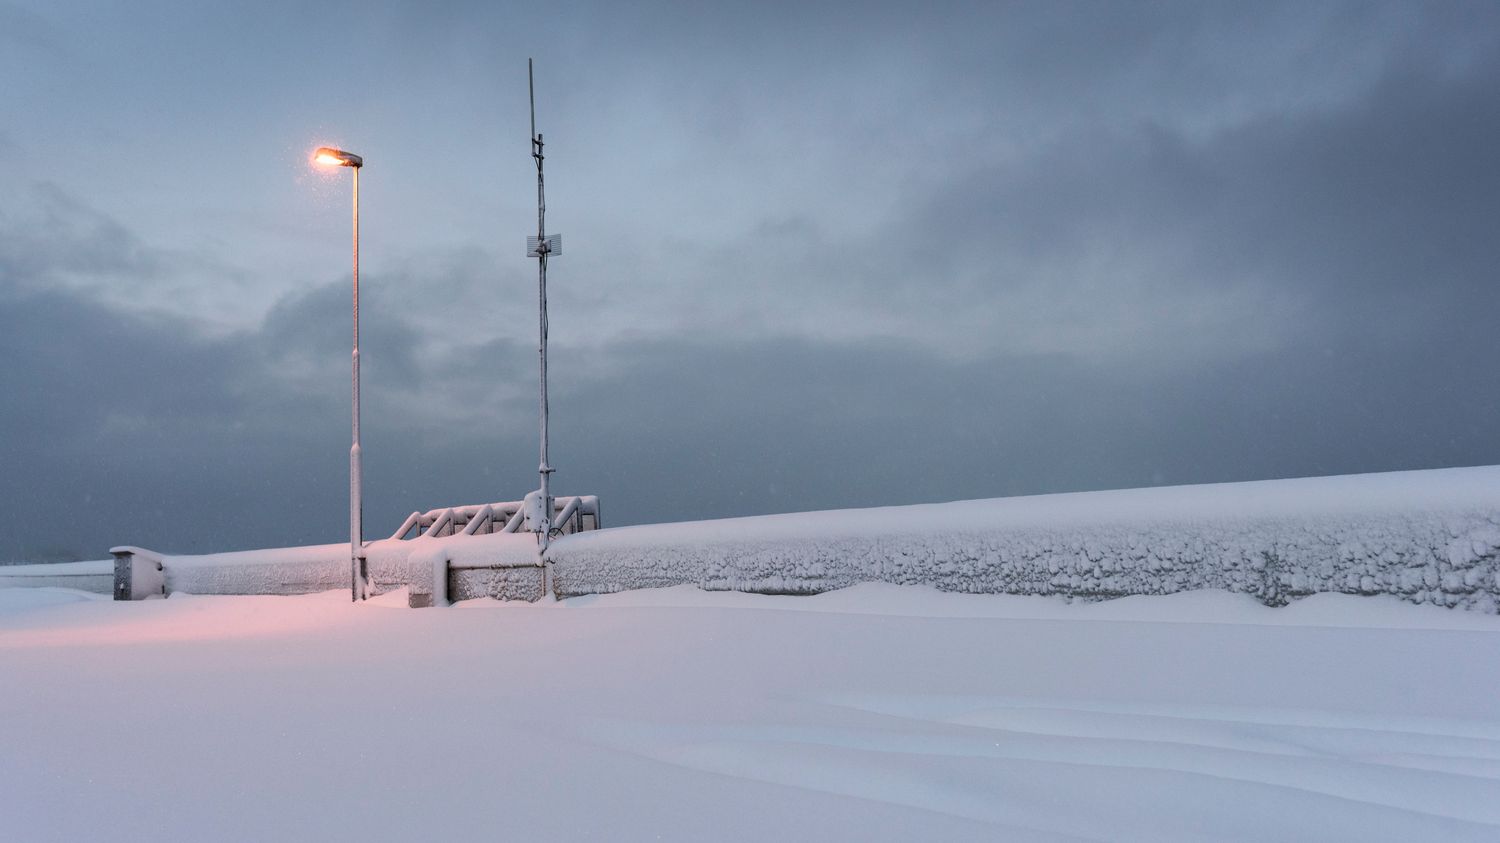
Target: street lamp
x,y
359,577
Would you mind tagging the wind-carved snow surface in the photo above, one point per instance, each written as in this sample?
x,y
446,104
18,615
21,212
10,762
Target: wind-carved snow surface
x,y
877,712
1424,536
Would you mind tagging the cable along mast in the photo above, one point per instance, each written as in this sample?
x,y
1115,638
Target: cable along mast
x,y
538,504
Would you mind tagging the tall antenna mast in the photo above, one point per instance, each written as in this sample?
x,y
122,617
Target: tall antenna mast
x,y
540,247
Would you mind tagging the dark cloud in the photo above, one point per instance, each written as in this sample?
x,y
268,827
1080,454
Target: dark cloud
x,y
190,444
141,426
711,430
60,237
1370,217
140,429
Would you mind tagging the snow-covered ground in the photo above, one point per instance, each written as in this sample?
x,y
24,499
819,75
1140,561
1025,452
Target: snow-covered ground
x,y
876,712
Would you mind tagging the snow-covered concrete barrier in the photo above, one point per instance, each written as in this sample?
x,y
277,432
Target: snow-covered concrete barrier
x,y
277,570
96,575
1424,536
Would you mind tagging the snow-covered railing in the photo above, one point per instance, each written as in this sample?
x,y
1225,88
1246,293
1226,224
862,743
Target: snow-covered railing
x,y
572,515
493,557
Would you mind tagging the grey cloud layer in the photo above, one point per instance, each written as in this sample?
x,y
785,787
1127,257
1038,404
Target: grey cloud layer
x,y
194,444
811,264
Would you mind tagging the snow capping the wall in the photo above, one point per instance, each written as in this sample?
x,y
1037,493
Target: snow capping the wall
x,y
1424,536
285,570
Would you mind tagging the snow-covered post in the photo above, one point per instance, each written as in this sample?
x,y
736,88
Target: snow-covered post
x,y
540,248
360,586
440,581
138,573
359,580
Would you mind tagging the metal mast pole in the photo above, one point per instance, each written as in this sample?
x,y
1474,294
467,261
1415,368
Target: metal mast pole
x,y
544,529
358,584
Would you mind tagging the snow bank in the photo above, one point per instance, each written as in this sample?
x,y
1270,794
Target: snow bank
x,y
1423,536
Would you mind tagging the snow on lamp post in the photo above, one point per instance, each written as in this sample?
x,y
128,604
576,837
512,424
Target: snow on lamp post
x,y
359,578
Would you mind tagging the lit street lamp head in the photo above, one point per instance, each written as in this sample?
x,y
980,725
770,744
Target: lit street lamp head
x,y
359,572
337,157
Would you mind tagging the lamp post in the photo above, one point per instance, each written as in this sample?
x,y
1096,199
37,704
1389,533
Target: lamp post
x,y
359,583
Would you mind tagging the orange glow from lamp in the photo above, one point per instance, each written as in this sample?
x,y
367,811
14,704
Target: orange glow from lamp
x,y
337,157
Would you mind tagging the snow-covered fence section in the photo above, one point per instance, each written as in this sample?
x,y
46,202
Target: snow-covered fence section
x,y
480,551
1424,536
505,566
96,575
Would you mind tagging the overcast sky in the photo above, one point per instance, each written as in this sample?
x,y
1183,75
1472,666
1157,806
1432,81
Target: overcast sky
x,y
817,255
